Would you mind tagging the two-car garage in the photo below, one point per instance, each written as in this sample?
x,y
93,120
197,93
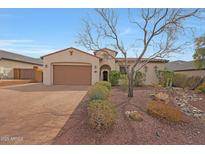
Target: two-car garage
x,y
72,74
70,67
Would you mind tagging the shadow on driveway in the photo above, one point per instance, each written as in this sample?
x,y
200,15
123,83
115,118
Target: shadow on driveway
x,y
37,87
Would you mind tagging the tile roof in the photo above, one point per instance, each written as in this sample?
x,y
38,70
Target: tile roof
x,y
17,57
143,59
107,49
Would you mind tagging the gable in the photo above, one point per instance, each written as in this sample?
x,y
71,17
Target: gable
x,y
103,53
70,55
108,51
70,52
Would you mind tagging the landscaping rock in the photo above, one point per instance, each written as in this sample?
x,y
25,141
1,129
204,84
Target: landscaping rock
x,y
182,100
157,134
134,115
162,96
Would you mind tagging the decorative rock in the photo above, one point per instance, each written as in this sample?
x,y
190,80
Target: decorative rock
x,y
197,115
182,100
161,96
134,115
157,133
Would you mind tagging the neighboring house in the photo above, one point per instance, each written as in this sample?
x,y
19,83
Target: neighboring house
x,y
72,66
16,66
185,67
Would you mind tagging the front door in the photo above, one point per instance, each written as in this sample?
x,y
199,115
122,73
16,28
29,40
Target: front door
x,y
105,75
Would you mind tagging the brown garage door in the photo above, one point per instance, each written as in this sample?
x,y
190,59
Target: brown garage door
x,y
72,74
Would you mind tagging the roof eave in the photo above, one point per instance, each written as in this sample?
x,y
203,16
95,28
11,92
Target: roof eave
x,y
68,49
21,61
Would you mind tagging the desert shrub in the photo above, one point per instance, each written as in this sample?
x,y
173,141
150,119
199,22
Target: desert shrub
x,y
201,88
114,77
123,76
101,114
193,82
179,80
139,78
105,83
123,82
165,78
164,111
98,92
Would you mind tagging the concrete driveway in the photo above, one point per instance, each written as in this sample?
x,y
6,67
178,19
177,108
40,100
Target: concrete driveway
x,y
34,113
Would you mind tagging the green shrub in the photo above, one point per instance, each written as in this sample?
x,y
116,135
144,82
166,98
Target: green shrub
x,y
98,92
101,114
139,78
123,82
123,76
201,88
165,78
105,83
114,77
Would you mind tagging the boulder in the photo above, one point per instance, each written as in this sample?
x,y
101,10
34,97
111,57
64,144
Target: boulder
x,y
134,115
162,96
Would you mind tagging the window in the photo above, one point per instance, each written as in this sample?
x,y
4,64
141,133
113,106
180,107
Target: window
x,y
122,70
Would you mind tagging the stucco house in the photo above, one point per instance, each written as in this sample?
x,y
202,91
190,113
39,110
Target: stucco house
x,y
72,66
16,66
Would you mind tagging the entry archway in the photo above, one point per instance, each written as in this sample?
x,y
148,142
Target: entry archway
x,y
105,75
104,72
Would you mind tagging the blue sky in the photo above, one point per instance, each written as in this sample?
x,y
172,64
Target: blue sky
x,y
35,32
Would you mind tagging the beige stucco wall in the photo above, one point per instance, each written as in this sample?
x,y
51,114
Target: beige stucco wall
x,y
64,57
193,73
150,74
9,65
110,61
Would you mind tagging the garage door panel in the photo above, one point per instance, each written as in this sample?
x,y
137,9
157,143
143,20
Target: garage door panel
x,y
72,74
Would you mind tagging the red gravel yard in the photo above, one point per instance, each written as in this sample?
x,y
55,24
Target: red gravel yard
x,y
149,131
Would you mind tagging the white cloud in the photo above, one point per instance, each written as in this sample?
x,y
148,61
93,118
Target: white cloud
x,y
126,31
13,42
26,47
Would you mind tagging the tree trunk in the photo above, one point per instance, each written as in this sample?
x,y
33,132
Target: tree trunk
x,y
130,84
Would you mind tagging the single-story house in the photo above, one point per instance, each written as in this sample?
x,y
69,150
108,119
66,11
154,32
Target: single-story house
x,y
16,66
72,66
185,67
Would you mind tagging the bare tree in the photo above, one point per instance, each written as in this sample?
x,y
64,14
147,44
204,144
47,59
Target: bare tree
x,y
160,31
